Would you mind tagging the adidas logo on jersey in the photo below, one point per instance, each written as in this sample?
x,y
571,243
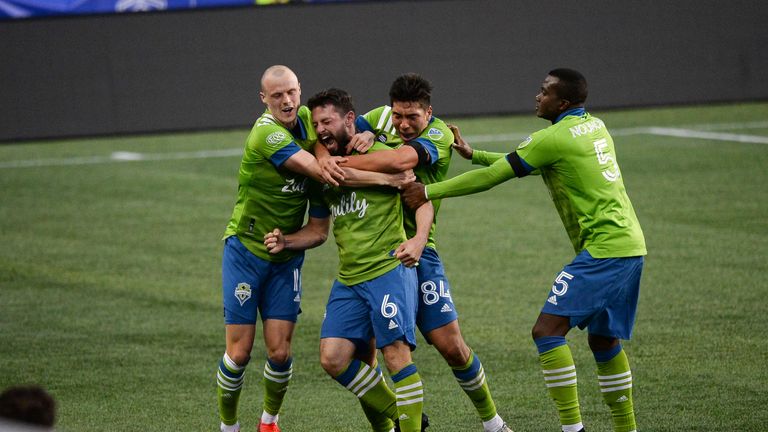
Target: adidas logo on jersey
x,y
623,398
393,325
553,300
446,308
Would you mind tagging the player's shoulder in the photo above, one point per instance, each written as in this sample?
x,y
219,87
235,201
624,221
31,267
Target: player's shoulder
x,y
381,111
268,132
305,115
438,132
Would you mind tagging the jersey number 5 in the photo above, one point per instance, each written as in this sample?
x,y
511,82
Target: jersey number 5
x,y
560,287
603,158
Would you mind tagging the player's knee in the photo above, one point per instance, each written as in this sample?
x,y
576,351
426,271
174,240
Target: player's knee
x,y
240,357
279,355
455,354
599,343
333,364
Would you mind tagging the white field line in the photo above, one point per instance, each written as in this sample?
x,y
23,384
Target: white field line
x,y
700,131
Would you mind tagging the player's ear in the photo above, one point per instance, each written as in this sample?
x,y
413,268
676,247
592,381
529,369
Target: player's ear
x,y
262,97
349,118
429,112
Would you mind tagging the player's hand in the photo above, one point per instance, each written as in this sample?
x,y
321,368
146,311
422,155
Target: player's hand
x,y
461,146
362,142
414,195
274,241
399,180
409,252
331,171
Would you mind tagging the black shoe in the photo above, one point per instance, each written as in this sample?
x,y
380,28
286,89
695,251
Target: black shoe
x,y
424,423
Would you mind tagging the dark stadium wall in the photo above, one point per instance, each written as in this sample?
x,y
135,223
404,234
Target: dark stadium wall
x,y
94,75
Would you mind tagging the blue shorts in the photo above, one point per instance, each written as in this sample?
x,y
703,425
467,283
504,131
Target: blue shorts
x,y
250,283
599,293
383,307
436,307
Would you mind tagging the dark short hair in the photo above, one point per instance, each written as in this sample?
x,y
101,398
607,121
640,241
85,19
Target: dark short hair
x,y
411,87
340,99
28,404
573,85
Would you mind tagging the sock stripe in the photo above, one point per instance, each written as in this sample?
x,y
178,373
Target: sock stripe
x,y
475,383
370,386
228,380
562,384
227,387
612,389
364,368
611,383
277,376
559,377
408,395
408,387
563,369
603,377
410,402
365,381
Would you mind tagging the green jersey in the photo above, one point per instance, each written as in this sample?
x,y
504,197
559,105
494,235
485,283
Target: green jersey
x,y
270,196
578,163
368,227
436,138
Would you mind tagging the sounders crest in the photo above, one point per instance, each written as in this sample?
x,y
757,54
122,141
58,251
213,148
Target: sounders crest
x,y
275,138
435,134
525,142
243,292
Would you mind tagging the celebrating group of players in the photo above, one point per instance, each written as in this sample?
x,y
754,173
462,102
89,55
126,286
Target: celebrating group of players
x,y
357,171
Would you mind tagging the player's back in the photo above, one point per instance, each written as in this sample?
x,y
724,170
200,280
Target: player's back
x,y
578,163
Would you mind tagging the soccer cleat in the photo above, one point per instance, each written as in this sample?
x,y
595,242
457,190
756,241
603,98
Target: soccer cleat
x,y
424,423
504,428
268,427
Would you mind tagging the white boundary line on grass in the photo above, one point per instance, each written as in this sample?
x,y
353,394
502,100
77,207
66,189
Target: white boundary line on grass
x,y
701,131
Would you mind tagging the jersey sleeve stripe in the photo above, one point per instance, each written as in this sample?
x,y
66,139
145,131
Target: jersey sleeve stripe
x,y
519,166
279,157
430,147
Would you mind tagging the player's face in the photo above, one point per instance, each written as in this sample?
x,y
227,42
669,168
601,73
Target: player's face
x,y
410,119
548,104
333,129
282,96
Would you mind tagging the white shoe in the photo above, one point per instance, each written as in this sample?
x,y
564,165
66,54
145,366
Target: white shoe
x,y
230,428
504,428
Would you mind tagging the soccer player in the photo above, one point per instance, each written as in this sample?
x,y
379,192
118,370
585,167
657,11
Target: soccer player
x,y
374,295
272,193
422,142
599,289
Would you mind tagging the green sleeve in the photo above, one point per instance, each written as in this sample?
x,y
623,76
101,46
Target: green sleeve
x,y
486,158
471,182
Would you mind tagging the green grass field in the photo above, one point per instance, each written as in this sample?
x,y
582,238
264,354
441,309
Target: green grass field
x,y
110,281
